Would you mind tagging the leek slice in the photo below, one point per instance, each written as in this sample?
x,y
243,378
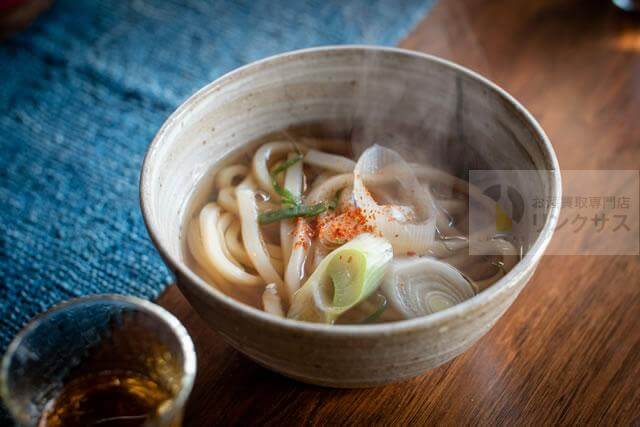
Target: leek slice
x,y
345,277
403,211
421,286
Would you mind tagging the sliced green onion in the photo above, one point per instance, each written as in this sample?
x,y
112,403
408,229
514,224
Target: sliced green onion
x,y
344,278
288,199
292,212
283,166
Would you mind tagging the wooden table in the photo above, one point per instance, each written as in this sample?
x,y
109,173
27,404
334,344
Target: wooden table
x,y
568,350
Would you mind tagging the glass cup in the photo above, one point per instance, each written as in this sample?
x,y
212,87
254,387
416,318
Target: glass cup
x,y
84,341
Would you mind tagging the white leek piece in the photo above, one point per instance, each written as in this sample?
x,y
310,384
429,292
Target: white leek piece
x,y
407,215
332,162
421,286
345,277
227,199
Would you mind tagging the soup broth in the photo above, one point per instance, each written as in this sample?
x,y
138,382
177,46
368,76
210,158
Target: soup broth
x,y
309,228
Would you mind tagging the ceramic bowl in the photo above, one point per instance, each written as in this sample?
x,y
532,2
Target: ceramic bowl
x,y
431,109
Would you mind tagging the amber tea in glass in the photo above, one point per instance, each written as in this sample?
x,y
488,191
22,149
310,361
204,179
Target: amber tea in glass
x,y
104,360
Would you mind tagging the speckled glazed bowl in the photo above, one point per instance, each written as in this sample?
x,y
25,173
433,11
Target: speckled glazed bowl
x,y
453,115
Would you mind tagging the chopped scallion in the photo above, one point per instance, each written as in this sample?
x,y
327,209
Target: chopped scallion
x,y
288,199
292,212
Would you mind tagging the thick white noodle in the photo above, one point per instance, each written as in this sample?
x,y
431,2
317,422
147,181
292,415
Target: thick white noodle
x,y
213,248
227,199
328,189
294,273
447,247
233,241
286,239
225,184
226,175
224,222
446,209
332,162
451,245
293,181
319,179
260,164
498,247
197,251
251,236
432,175
271,301
208,271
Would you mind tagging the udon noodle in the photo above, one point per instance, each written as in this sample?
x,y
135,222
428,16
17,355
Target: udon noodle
x,y
308,234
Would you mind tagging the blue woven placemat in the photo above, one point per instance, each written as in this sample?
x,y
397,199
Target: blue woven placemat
x,y
82,93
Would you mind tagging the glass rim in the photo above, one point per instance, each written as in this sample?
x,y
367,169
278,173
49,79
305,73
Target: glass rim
x,y
189,365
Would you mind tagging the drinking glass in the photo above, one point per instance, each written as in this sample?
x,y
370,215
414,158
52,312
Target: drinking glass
x,y
94,335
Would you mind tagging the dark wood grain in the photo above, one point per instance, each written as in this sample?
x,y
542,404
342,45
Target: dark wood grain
x,y
568,350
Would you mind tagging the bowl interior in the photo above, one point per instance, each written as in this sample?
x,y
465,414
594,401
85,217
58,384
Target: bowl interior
x,y
430,110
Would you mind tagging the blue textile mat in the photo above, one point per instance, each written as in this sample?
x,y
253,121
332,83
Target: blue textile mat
x,y
83,91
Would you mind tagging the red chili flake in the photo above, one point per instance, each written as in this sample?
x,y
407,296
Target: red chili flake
x,y
339,229
304,232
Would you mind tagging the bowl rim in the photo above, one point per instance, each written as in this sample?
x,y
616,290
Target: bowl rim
x,y
504,284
